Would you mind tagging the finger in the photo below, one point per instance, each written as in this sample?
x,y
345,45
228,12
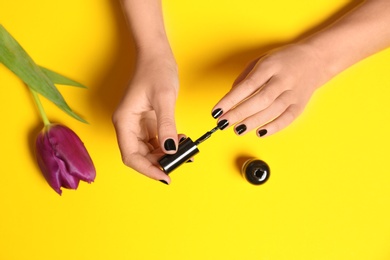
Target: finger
x,y
149,130
133,150
140,160
245,72
181,137
255,103
166,127
154,143
255,79
142,165
286,118
280,104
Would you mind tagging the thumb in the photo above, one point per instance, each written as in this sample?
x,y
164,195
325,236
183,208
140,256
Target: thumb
x,y
166,126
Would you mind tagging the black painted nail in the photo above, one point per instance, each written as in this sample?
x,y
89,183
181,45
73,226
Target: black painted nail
x,y
223,124
241,129
169,145
262,132
190,160
182,139
164,182
217,112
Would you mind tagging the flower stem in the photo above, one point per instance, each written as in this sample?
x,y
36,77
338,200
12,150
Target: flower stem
x,y
40,108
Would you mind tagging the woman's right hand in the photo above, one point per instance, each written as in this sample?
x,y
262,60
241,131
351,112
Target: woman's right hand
x,y
144,120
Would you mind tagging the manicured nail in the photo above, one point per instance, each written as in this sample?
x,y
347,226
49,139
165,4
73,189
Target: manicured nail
x,y
169,145
223,124
217,112
190,160
164,182
262,132
182,139
241,129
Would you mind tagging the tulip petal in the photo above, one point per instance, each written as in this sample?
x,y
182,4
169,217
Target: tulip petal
x,y
71,150
62,158
47,162
67,181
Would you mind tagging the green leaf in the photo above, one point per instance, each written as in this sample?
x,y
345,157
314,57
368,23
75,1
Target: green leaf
x,y
15,58
60,79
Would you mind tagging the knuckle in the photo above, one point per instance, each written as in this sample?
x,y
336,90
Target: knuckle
x,y
249,81
267,96
230,101
115,117
165,122
290,116
284,101
269,62
127,160
281,122
165,92
237,115
265,100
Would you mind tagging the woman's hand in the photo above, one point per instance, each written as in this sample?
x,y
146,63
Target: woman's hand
x,y
272,91
144,120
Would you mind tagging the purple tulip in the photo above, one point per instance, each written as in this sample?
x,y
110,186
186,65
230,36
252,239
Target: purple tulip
x,y
62,158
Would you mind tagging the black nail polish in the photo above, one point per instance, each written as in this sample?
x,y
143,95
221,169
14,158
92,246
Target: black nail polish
x,y
185,152
217,112
241,129
164,182
169,145
182,139
187,149
223,124
262,132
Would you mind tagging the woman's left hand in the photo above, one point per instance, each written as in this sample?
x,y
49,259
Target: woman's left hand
x,y
272,91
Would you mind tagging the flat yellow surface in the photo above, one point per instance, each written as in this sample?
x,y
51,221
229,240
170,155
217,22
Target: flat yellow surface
x,y
329,192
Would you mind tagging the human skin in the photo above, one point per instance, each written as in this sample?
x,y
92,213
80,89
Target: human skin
x,y
267,96
288,76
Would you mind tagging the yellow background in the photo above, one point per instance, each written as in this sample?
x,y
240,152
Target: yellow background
x,y
329,192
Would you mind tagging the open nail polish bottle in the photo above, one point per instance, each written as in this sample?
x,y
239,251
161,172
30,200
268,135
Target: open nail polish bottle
x,y
255,171
187,149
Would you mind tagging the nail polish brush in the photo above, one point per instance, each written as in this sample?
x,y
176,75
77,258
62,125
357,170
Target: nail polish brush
x,y
187,149
206,136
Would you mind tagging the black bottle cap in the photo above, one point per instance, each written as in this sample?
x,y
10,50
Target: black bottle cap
x,y
187,149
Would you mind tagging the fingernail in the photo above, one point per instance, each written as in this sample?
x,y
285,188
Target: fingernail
x,y
190,160
262,132
241,129
169,145
217,112
164,182
223,124
182,139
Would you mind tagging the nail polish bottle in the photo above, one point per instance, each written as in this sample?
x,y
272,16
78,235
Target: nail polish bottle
x,y
187,149
255,171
